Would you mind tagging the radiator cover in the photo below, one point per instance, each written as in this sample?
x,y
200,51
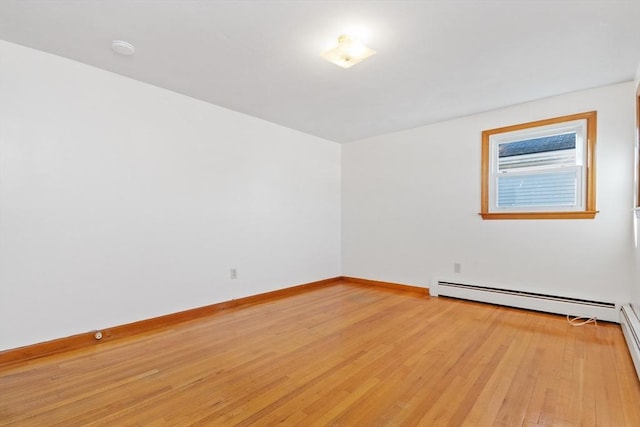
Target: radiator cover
x,y
630,324
602,310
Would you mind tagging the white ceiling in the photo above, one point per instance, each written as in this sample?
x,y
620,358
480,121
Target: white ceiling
x,y
436,59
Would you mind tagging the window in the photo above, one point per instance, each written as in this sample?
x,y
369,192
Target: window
x,y
540,170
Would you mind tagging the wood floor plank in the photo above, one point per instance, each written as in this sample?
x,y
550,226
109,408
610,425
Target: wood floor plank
x,y
347,354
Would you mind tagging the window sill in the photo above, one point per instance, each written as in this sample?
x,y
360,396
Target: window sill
x,y
539,215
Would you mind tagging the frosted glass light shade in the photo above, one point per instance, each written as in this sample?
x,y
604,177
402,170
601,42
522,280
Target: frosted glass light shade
x,y
348,52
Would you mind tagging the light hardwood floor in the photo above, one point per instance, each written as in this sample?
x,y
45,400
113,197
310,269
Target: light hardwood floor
x,y
344,355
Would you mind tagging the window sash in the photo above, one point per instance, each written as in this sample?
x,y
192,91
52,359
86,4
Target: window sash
x,y
538,170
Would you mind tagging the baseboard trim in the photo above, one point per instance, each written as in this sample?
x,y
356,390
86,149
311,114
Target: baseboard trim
x,y
389,285
86,339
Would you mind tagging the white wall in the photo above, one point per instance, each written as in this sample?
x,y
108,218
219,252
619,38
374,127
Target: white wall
x,y
120,201
411,201
635,298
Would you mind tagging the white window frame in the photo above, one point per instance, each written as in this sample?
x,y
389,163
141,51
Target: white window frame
x,y
577,126
584,125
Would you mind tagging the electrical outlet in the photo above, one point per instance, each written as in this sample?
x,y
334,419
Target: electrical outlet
x,y
234,273
457,267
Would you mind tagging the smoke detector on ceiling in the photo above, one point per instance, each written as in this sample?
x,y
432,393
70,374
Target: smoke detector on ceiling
x,y
122,47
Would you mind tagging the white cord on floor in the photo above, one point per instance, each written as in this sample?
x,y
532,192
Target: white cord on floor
x,y
581,321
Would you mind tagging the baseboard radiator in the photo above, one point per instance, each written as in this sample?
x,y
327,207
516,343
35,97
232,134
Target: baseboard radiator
x,y
528,300
630,324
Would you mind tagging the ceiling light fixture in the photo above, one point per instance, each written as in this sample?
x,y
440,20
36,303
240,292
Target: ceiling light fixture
x,y
122,47
348,52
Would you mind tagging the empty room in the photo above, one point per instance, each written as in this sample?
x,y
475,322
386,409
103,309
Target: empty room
x,y
319,213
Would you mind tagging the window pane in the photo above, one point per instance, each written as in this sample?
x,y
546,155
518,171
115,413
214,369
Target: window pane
x,y
549,189
555,150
